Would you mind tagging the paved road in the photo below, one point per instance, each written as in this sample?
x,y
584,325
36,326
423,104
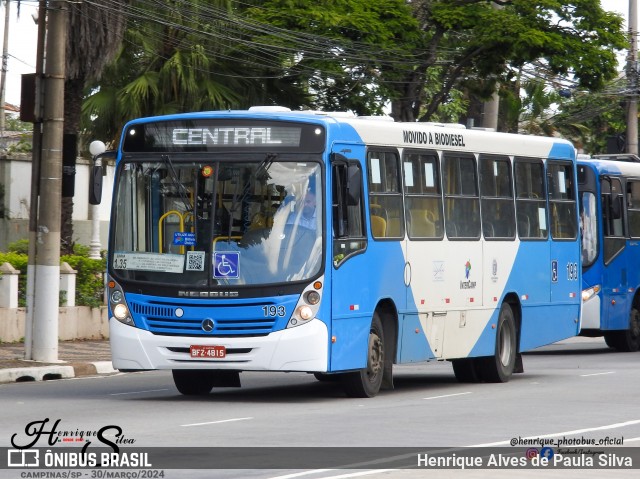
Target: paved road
x,y
576,389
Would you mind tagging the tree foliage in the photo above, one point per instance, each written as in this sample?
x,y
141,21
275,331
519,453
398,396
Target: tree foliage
x,y
94,35
428,59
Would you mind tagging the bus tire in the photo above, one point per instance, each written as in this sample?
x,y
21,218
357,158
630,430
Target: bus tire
x,y
466,370
326,378
627,341
499,367
366,382
193,382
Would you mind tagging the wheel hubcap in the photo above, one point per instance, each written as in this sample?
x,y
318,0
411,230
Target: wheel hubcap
x,y
505,345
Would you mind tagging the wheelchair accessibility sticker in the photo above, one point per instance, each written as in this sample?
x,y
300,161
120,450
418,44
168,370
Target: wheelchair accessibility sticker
x,y
226,264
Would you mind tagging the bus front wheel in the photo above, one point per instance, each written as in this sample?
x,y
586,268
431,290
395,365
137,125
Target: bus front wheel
x,y
366,382
499,367
627,341
193,382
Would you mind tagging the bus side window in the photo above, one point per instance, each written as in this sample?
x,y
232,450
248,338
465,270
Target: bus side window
x,y
612,196
498,217
349,236
423,199
531,204
461,199
633,211
612,207
385,195
562,203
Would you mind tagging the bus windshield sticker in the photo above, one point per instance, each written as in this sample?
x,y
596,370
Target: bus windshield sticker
x,y
226,264
184,239
542,218
375,171
428,175
408,173
166,263
195,260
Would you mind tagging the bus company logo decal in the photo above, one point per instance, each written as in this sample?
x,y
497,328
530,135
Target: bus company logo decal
x,y
468,284
494,270
438,271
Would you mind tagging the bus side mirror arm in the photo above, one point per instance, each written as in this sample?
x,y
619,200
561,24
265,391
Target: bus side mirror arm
x,y
95,185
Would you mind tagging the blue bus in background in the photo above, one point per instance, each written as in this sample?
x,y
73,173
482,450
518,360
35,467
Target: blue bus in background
x,y
609,187
337,245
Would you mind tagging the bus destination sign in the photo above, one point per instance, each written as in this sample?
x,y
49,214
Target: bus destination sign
x,y
212,134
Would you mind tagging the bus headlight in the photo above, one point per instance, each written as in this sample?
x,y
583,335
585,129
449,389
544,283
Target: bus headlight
x,y
589,293
120,312
313,297
118,304
308,305
305,313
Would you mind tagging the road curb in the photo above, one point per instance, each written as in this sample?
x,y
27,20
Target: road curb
x,y
50,372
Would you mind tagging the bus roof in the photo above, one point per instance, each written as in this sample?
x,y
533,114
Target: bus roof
x,y
612,166
382,130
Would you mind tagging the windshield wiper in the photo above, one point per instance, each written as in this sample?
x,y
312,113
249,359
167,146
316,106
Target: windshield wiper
x,y
180,188
265,164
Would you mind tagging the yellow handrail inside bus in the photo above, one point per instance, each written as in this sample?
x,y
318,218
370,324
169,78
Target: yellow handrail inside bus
x,y
161,220
218,238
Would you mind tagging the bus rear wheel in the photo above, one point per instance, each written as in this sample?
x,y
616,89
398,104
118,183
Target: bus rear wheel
x,y
366,382
466,370
499,367
193,382
627,341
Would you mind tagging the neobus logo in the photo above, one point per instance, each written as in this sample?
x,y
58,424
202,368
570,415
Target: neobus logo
x,y
208,294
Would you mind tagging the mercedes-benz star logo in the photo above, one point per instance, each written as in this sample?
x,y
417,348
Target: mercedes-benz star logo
x,y
207,325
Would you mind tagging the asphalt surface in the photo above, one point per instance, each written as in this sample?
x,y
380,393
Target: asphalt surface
x,y
75,358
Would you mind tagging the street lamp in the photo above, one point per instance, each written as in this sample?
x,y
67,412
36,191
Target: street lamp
x,y
95,148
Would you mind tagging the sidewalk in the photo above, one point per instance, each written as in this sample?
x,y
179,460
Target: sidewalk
x,y
76,358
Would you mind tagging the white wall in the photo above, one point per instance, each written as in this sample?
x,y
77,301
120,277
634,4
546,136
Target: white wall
x,y
15,175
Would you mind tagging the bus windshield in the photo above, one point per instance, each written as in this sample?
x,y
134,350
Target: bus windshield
x,y
224,221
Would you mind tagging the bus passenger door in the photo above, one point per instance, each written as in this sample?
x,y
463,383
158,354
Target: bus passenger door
x,y
351,274
615,282
565,248
423,326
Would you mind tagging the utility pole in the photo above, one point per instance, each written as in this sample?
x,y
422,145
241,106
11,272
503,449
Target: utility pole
x,y
491,107
36,160
5,58
47,281
632,80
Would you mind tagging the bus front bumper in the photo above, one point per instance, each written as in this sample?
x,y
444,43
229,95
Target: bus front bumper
x,y
591,313
304,348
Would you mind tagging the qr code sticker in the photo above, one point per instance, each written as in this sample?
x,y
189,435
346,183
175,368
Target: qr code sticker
x,y
195,260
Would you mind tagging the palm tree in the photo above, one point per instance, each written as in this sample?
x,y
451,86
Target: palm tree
x,y
178,57
94,35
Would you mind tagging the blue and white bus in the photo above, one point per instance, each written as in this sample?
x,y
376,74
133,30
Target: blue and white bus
x,y
272,240
609,187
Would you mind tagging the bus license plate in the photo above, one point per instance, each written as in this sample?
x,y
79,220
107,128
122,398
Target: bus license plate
x,y
208,351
